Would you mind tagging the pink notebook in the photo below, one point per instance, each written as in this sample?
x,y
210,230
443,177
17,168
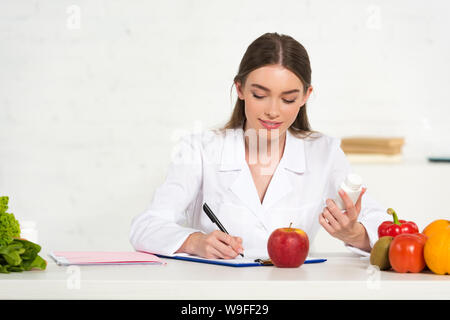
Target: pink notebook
x,y
104,257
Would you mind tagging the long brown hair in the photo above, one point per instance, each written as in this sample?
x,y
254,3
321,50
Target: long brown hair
x,y
270,49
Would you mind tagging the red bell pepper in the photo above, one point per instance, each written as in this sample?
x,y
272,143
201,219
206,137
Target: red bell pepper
x,y
389,228
406,252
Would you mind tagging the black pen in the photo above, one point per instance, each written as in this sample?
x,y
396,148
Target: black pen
x,y
214,219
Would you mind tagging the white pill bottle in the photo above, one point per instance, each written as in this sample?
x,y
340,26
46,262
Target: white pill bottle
x,y
352,185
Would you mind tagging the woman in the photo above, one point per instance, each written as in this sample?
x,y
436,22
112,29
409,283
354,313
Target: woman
x,y
263,170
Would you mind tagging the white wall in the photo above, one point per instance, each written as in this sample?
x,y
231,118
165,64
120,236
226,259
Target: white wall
x,y
90,108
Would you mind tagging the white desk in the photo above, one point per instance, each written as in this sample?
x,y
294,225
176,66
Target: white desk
x,y
343,276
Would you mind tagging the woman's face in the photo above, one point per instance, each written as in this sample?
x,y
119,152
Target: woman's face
x,y
272,93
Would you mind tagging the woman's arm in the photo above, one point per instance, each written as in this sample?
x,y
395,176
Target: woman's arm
x,y
160,228
369,213
361,239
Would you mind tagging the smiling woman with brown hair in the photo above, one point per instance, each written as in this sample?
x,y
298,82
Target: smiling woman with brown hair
x,y
288,60
263,170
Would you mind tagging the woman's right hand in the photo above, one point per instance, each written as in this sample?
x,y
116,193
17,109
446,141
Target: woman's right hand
x,y
214,245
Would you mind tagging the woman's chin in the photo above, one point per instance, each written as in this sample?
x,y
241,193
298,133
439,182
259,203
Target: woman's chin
x,y
270,133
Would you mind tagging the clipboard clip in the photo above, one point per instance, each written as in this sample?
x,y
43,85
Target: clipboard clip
x,y
265,262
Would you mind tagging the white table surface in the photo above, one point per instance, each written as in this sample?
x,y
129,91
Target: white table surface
x,y
343,276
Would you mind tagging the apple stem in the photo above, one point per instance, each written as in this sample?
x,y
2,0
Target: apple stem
x,y
290,225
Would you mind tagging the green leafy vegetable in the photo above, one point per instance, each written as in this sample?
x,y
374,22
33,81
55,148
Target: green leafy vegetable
x,y
16,254
9,226
12,252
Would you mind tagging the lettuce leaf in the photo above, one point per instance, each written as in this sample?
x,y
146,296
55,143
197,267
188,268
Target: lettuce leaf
x,y
16,254
11,253
21,255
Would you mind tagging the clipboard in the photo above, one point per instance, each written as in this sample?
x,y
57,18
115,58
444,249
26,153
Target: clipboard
x,y
237,262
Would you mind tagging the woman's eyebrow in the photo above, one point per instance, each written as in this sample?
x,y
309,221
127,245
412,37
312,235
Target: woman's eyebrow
x,y
268,90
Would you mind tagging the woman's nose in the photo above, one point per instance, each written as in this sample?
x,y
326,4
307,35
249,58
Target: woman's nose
x,y
273,110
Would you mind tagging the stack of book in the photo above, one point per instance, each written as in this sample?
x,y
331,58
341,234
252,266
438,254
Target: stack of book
x,y
366,149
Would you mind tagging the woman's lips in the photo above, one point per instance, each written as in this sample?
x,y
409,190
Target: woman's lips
x,y
270,124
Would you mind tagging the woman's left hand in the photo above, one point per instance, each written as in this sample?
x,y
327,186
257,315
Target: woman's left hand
x,y
344,225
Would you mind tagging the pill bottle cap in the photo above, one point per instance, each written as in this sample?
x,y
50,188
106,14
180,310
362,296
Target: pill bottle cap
x,y
353,181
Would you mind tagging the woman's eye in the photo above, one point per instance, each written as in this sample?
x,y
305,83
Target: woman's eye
x,y
260,97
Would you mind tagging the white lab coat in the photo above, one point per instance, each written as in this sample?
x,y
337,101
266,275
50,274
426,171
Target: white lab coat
x,y
211,167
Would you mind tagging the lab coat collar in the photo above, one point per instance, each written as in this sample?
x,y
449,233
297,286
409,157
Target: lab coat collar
x,y
233,152
233,159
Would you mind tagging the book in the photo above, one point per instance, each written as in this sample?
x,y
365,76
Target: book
x,y
372,145
373,141
66,258
374,158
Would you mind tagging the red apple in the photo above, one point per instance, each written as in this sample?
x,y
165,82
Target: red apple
x,y
288,247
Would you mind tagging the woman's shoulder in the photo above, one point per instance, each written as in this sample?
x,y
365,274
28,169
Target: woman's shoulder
x,y
316,138
204,140
320,144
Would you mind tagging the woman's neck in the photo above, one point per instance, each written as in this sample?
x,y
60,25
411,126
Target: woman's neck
x,y
263,150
